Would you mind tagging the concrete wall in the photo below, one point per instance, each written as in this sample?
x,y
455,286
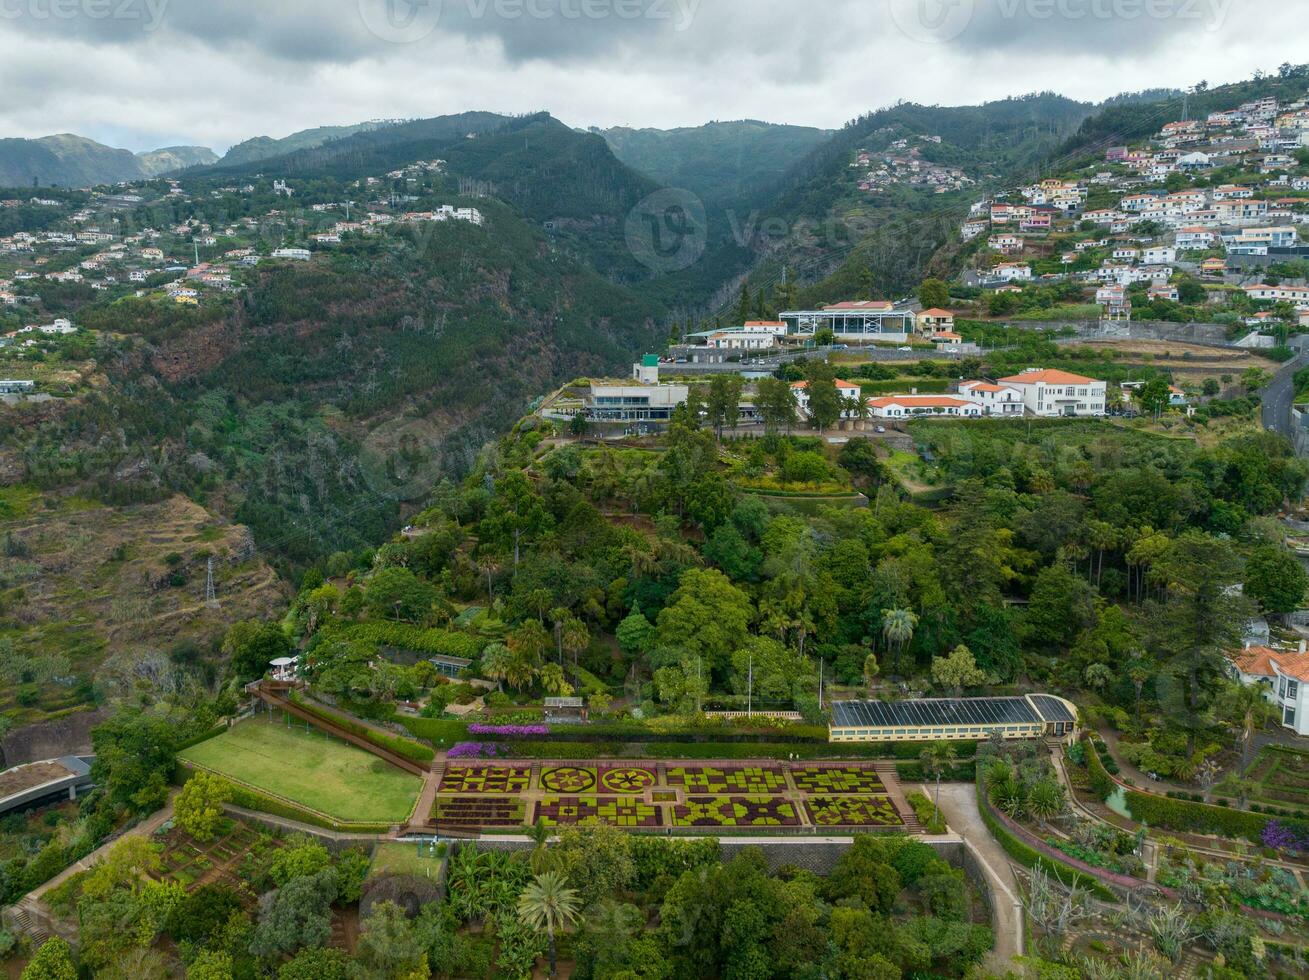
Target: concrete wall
x,y
1210,334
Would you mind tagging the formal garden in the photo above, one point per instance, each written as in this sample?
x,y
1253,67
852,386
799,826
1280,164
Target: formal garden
x,y
499,796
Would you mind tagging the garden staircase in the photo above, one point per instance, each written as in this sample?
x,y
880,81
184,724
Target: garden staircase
x,y
886,771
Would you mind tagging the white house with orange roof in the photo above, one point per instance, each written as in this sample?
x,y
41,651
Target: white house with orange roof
x,y
998,400
851,393
931,322
1284,674
1054,394
915,406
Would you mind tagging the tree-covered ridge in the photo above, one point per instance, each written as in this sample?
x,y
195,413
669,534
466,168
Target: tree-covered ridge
x,y
720,161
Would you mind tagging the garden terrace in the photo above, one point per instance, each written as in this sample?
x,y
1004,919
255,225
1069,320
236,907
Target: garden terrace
x,y
308,768
742,797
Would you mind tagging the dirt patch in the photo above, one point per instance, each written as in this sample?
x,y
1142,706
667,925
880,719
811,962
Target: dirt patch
x,y
27,777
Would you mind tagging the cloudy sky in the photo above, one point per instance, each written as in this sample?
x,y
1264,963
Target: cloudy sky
x,y
148,73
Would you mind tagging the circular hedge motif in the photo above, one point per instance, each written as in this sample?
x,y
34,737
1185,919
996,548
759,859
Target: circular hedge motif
x,y
568,779
630,780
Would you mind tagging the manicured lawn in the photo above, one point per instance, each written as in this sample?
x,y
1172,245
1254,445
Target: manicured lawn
x,y
329,776
406,859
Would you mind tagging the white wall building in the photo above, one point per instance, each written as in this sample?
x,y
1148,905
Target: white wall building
x,y
997,400
913,406
1284,674
851,393
1051,394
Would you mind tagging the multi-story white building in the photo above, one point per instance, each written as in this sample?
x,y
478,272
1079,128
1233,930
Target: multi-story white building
x,y
997,400
1051,394
1284,674
850,393
1297,296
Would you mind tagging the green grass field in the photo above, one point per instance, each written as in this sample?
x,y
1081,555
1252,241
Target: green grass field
x,y
405,859
329,776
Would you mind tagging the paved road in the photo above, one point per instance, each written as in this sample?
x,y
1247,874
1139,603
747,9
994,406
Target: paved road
x,y
1279,396
959,804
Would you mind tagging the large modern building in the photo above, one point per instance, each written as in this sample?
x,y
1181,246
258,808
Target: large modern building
x,y
864,321
633,402
952,719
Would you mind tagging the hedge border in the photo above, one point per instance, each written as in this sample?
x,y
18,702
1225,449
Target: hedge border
x,y
1029,857
404,747
1102,784
202,737
249,798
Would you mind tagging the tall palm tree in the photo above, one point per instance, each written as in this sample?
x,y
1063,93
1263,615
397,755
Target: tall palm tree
x,y
1245,710
548,905
898,627
936,759
497,662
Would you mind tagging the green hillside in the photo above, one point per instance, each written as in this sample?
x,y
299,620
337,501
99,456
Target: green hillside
x,y
719,160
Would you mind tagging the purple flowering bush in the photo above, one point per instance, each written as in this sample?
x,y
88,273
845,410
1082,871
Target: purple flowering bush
x,y
477,750
1283,838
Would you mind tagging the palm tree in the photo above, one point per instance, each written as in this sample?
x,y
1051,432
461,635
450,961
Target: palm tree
x,y
521,671
1246,710
542,859
576,638
936,758
1046,800
497,663
898,627
548,905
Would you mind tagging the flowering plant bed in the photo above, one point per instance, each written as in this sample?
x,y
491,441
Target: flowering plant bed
x,y
486,779
853,811
711,779
626,779
619,811
569,779
838,779
736,811
478,811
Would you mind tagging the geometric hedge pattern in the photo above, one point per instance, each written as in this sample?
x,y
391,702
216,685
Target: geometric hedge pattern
x,y
837,779
616,794
616,811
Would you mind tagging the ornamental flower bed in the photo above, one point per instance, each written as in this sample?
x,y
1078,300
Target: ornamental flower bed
x,y
838,779
510,731
621,811
478,750
485,779
474,812
710,779
626,779
569,779
736,811
853,811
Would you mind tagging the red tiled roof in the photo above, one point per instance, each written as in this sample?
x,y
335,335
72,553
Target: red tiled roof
x,y
1259,661
935,312
920,401
1050,377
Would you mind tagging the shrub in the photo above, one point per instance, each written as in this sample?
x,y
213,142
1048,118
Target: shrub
x,y
1202,818
1101,784
1029,857
403,747
933,822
